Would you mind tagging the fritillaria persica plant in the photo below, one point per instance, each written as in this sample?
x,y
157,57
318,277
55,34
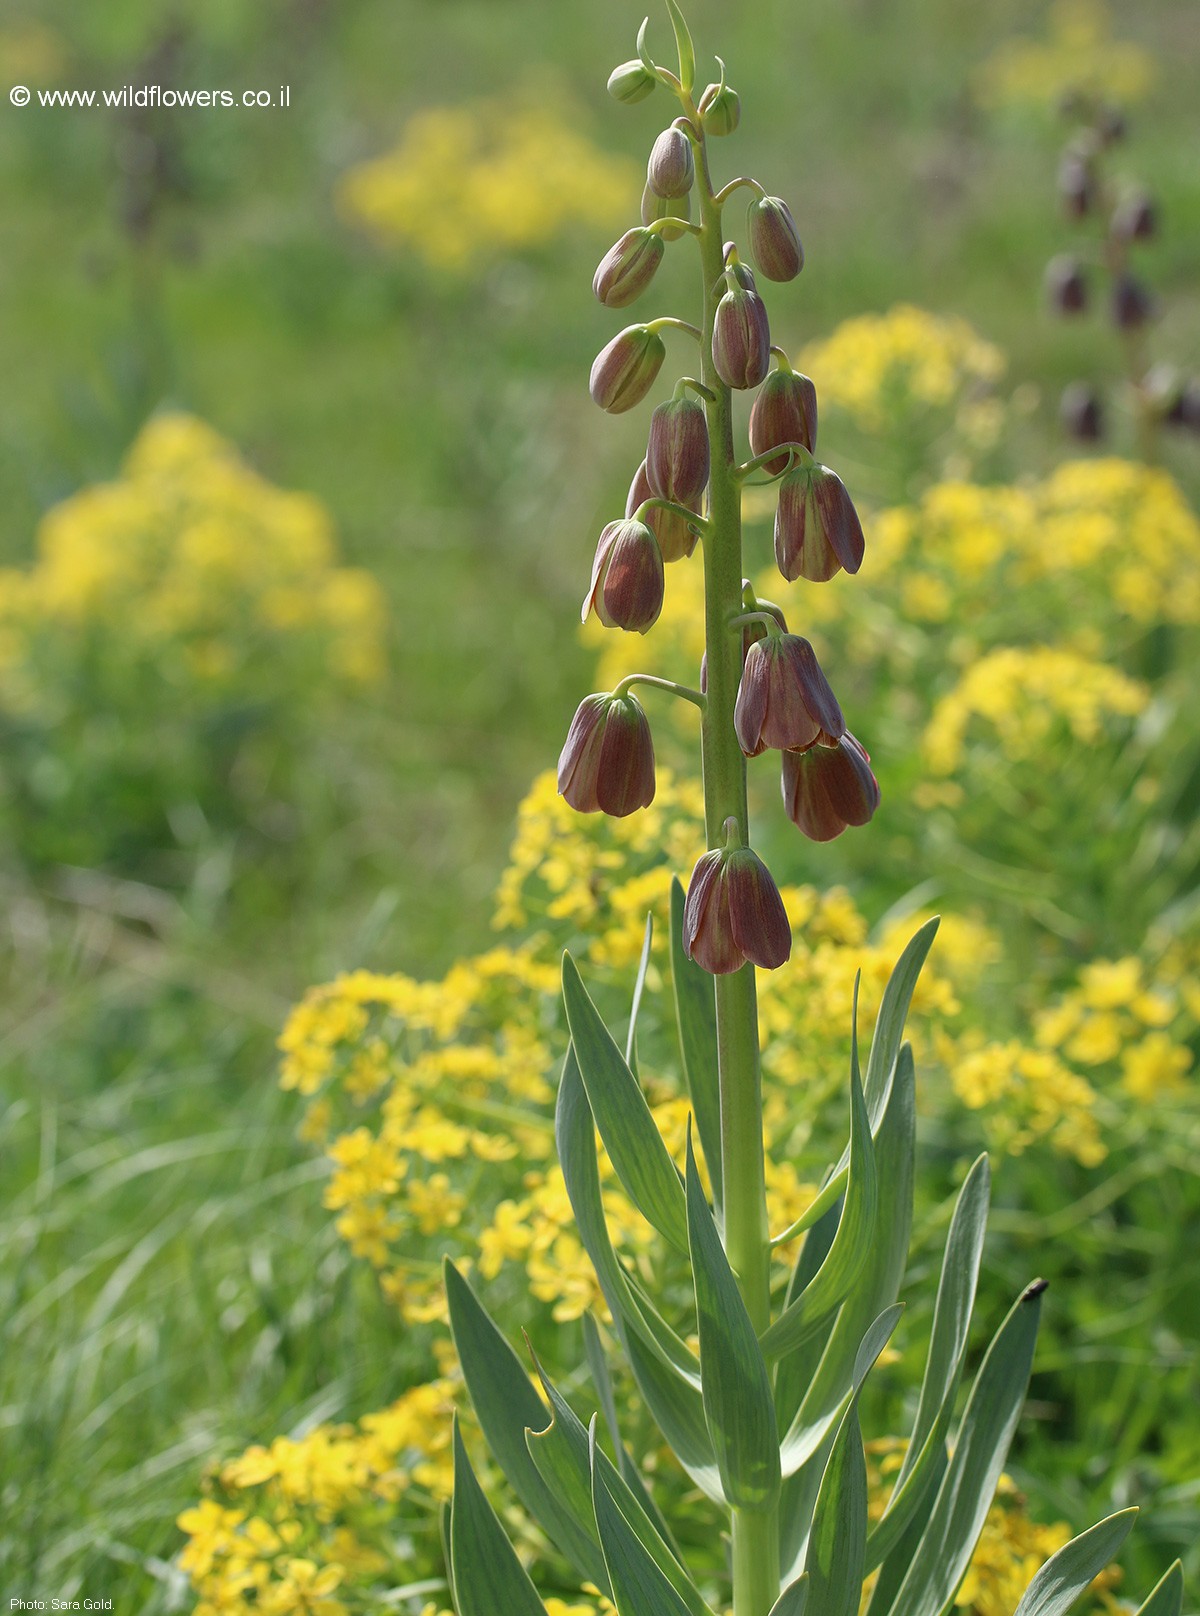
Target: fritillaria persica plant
x,y
764,1418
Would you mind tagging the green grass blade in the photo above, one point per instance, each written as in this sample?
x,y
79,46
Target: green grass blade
x,y
634,1144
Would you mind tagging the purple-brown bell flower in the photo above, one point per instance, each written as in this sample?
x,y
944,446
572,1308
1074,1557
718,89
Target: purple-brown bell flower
x,y
785,411
817,530
741,339
826,788
677,455
774,239
628,267
784,699
672,167
1066,285
1135,217
607,763
1081,413
623,372
734,914
627,587
675,538
1132,304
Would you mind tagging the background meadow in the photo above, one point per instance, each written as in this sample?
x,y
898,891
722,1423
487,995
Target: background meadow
x,y
299,482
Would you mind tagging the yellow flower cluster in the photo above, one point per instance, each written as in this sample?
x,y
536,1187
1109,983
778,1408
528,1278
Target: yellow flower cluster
x,y
1026,696
1079,56
881,366
191,560
467,182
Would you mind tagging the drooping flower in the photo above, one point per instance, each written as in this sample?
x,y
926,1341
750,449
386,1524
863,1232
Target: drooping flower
x,y
627,586
826,788
628,267
607,762
774,239
734,914
784,411
675,538
623,371
784,699
817,530
741,339
672,167
677,453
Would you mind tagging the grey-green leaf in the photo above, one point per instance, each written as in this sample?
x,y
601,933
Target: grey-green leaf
x,y
738,1406
696,1018
969,1483
507,1404
631,1137
486,1574
805,1439
639,1587
602,1380
1167,1597
639,987
852,1244
793,1599
1066,1574
838,1541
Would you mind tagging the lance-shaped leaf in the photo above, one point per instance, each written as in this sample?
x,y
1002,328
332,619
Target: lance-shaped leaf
x,y
574,1130
738,1406
631,1137
602,1380
696,1017
639,1587
969,1484
838,1540
507,1404
879,1283
793,1599
687,51
486,1574
902,1554
563,1453
1066,1574
1167,1597
444,1533
639,987
851,1244
943,1366
803,1441
677,1410
794,1374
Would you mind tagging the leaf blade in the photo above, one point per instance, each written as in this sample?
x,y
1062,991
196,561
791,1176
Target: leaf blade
x,y
696,1022
486,1574
1066,1574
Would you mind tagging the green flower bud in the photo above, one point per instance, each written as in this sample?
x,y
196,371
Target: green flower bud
x,y
785,411
677,454
741,339
784,699
627,268
774,239
623,372
666,207
675,538
631,82
720,110
671,168
826,788
607,763
734,914
817,530
627,588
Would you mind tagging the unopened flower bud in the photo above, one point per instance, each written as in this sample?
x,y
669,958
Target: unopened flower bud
x,y
675,538
1080,412
784,699
817,530
1076,185
677,452
1135,218
624,371
607,762
627,587
774,239
720,110
751,633
785,411
671,168
1111,125
1066,286
826,788
1162,388
627,268
666,207
1189,406
631,82
1132,304
741,339
734,914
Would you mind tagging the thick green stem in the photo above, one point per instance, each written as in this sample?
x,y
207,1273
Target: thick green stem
x,y
747,1238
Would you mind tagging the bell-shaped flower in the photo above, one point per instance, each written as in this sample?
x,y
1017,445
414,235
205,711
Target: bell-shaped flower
x,y
784,699
675,538
628,267
774,239
741,339
627,584
817,530
607,762
623,371
784,411
826,788
734,914
677,454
